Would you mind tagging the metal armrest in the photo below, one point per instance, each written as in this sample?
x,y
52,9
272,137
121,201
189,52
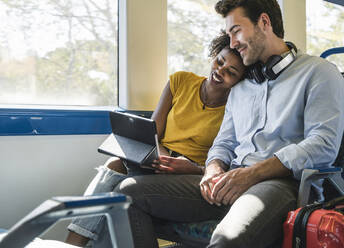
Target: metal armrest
x,y
311,175
57,208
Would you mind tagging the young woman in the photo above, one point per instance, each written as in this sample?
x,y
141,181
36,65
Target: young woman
x,y
188,117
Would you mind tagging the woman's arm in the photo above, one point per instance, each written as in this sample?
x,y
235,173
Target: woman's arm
x,y
160,114
161,111
168,164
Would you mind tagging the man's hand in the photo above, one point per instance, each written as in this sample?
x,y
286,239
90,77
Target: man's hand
x,y
179,165
232,184
212,173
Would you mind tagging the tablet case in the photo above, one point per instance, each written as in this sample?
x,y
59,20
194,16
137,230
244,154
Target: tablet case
x,y
133,138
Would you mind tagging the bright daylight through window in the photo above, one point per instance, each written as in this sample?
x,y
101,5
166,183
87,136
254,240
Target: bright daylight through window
x,y
60,52
192,24
325,29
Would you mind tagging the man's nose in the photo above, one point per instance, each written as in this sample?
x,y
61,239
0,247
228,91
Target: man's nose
x,y
234,43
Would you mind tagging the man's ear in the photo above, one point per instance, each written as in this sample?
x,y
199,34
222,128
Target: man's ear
x,y
264,21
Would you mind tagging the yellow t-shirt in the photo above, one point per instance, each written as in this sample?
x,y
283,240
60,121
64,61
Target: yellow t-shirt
x,y
190,129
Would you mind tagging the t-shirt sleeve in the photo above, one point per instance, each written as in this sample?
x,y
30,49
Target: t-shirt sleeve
x,y
176,80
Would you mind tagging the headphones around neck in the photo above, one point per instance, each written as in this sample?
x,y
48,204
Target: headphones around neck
x,y
273,67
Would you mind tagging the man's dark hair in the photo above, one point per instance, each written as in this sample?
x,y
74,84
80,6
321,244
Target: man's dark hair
x,y
253,9
220,42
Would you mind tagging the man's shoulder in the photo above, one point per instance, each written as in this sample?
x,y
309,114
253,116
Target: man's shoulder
x,y
313,70
312,62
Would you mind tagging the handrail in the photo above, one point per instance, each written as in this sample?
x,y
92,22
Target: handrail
x,y
332,51
339,2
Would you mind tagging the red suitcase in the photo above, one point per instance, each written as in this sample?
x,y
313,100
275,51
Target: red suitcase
x,y
316,225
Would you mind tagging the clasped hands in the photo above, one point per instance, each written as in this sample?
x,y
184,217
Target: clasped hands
x,y
225,187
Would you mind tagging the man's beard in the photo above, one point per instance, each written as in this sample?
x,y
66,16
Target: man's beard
x,y
256,46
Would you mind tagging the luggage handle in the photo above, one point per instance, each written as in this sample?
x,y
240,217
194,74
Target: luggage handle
x,y
331,204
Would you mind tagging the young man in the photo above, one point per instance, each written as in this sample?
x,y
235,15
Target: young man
x,y
288,117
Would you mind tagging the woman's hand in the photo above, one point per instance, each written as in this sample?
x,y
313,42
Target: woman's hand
x,y
213,172
179,165
163,150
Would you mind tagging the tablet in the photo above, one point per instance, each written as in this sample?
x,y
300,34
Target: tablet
x,y
133,138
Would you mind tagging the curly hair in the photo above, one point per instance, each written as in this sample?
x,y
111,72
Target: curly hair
x,y
253,9
220,42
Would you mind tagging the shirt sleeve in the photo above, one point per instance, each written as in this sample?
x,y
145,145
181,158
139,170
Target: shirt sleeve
x,y
176,80
323,123
225,141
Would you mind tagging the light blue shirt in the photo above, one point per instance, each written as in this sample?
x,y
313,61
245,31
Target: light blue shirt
x,y
298,117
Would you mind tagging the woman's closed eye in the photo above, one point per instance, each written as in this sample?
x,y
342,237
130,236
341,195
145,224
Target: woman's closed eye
x,y
219,61
230,73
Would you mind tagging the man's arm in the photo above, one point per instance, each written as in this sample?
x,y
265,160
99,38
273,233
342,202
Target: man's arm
x,y
232,184
225,141
323,122
220,155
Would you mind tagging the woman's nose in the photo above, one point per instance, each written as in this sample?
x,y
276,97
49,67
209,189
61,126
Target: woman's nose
x,y
220,70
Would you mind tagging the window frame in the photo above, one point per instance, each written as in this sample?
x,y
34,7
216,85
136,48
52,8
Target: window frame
x,y
138,88
34,120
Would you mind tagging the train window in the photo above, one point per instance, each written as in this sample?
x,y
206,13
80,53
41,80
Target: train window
x,y
192,24
58,52
325,29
